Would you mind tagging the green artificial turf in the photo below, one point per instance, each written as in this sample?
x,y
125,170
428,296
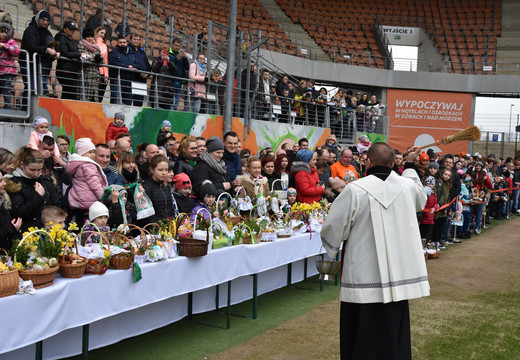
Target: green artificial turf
x,y
187,339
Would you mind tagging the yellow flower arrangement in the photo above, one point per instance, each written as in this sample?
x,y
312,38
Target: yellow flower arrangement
x,y
306,208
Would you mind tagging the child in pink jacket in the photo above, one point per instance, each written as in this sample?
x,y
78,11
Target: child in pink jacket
x,y
9,51
88,179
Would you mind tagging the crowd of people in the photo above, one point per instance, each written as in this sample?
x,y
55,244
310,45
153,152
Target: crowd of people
x,y
177,175
171,81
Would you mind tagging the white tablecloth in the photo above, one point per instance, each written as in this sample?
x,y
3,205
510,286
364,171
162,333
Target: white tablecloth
x,y
117,308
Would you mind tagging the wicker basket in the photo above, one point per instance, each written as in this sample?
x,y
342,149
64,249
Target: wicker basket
x,y
40,278
95,266
72,271
8,280
121,261
192,247
9,283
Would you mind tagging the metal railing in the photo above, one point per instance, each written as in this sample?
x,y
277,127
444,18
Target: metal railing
x,y
15,90
208,97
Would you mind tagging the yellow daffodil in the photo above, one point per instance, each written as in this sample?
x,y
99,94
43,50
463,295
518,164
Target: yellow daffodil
x,y
73,226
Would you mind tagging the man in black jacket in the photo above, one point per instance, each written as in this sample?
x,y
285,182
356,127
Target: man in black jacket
x,y
182,65
119,57
139,62
36,38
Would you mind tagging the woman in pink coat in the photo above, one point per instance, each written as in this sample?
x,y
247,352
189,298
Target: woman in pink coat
x,y
88,179
197,74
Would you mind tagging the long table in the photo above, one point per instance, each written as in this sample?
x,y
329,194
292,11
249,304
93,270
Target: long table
x,y
116,308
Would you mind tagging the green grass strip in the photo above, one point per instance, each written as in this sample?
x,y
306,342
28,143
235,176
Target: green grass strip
x,y
188,340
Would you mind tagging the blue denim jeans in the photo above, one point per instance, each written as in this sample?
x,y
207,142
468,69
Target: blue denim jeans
x,y
6,84
177,87
477,210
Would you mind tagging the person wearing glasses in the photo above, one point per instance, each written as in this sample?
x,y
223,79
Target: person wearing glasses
x,y
197,85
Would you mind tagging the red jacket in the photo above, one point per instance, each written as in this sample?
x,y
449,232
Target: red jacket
x,y
431,203
307,187
113,131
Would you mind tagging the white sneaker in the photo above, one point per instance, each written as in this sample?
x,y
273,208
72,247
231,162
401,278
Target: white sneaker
x,y
477,231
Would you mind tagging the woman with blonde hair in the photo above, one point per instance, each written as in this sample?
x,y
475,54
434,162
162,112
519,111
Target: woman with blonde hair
x,y
100,34
127,169
188,153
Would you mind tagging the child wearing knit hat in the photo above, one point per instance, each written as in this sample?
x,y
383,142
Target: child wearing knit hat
x,y
98,217
41,129
164,132
116,127
182,194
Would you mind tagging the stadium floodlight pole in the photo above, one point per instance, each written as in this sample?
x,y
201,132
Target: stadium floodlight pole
x,y
103,13
230,73
509,136
124,19
81,15
147,28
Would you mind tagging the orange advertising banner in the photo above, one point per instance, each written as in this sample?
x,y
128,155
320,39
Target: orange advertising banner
x,y
422,117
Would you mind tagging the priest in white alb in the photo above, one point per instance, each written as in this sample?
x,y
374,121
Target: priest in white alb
x,y
382,257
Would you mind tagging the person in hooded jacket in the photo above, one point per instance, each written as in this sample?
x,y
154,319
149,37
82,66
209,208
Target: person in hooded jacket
x,y
9,51
37,39
29,192
308,186
88,178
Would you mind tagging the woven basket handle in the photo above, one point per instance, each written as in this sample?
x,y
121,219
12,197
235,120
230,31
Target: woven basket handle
x,y
202,218
29,235
222,193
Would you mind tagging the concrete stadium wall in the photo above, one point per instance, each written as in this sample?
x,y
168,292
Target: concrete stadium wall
x,y
368,77
78,119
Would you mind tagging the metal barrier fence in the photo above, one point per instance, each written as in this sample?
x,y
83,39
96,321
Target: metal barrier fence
x,y
157,89
15,88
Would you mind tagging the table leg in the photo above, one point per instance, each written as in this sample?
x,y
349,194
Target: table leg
x,y
38,355
289,274
84,342
228,313
304,269
217,296
190,306
255,295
